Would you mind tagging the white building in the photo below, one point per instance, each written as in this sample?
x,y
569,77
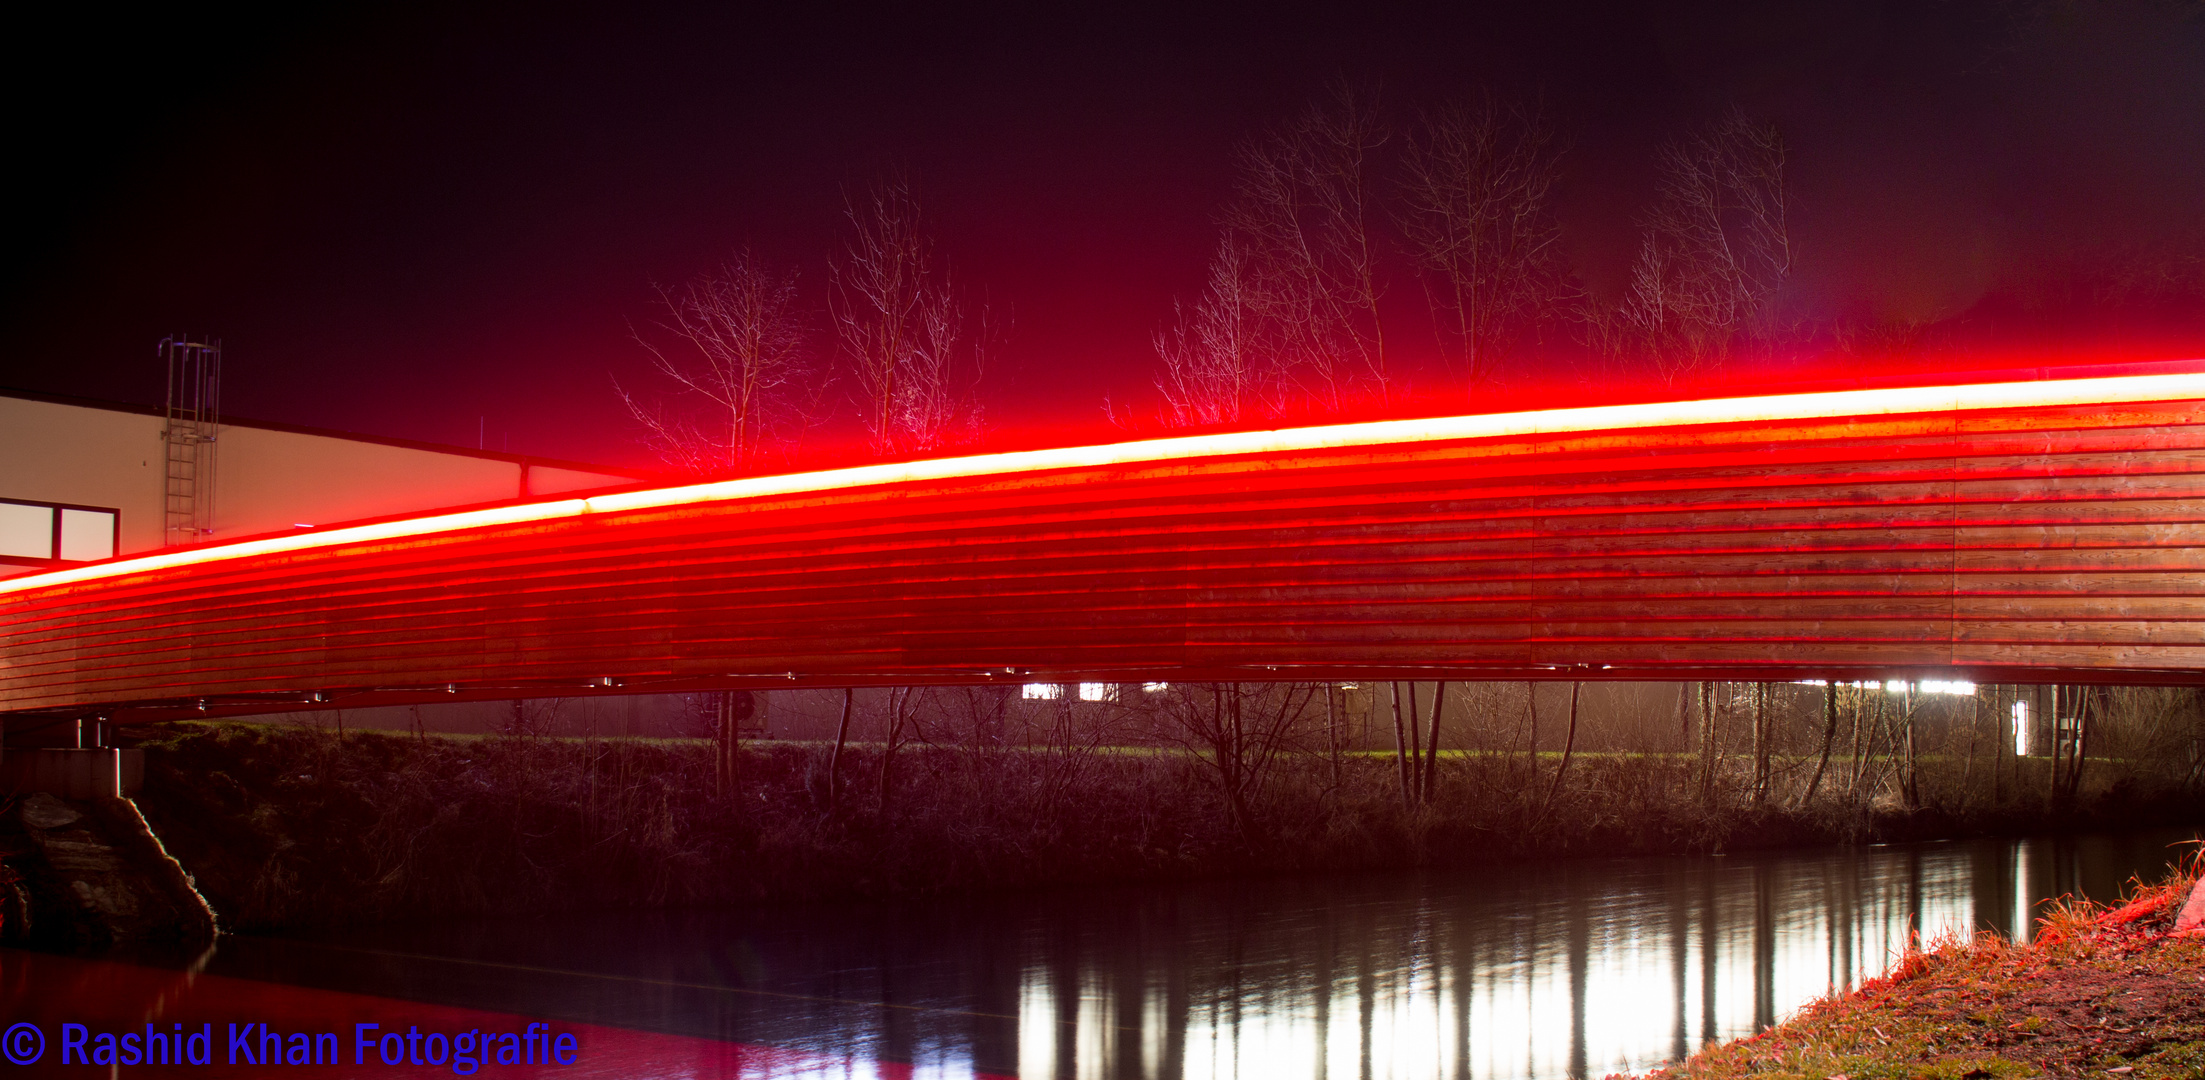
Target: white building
x,y
87,480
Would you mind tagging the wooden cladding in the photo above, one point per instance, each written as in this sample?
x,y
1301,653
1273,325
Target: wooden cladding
x,y
2020,543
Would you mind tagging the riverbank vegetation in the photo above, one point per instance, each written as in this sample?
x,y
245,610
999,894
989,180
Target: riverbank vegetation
x,y
2101,991
926,791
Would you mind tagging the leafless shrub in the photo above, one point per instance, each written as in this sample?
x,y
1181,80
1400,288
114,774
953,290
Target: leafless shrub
x,y
1239,730
2156,730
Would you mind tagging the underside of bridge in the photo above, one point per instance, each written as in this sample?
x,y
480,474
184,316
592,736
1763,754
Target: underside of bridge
x,y
2024,532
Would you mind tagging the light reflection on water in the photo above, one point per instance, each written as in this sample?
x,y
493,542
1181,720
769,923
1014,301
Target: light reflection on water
x,y
1531,977
1576,970
1569,969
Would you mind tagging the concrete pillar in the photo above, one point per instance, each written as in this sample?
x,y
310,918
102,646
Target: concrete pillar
x,y
101,773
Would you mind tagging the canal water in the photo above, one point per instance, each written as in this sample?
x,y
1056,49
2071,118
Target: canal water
x,y
1564,969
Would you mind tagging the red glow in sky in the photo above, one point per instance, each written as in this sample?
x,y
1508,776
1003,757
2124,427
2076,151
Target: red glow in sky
x,y
413,222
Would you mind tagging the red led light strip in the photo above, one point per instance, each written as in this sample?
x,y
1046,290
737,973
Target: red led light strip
x,y
1814,406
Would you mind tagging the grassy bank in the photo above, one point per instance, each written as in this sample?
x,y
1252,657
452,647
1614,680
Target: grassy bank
x,y
294,827
2101,992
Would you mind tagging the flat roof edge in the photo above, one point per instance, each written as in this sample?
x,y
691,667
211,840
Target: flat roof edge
x,y
337,433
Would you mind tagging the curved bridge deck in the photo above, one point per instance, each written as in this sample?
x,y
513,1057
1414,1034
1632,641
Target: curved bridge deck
x,y
2041,531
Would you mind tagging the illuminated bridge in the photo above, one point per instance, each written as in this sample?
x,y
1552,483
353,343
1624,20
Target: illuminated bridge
x,y
2031,531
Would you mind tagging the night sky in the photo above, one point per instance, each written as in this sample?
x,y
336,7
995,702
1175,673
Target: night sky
x,y
400,219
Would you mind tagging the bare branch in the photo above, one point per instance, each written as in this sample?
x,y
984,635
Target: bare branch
x,y
1716,248
1217,368
1302,217
1477,191
904,331
734,343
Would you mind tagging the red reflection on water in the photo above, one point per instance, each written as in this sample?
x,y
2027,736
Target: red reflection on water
x,y
104,995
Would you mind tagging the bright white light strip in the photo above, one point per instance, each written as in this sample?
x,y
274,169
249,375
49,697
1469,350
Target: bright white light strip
x,y
1926,399
1901,686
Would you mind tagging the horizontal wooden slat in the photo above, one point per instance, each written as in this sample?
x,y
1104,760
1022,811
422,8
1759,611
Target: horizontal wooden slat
x,y
2062,543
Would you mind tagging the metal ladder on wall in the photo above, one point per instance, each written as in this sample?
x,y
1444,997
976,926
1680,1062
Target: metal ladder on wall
x,y
193,415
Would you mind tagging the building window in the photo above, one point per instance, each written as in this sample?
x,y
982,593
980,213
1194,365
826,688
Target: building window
x,y
26,531
1042,691
87,535
1098,691
41,532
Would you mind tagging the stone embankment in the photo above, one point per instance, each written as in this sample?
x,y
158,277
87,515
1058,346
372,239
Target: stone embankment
x,y
89,874
2116,994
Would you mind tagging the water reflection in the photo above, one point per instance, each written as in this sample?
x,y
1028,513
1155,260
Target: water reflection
x,y
1573,969
1570,971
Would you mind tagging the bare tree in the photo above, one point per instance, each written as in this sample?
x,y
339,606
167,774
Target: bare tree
x,y
1217,368
1416,751
1477,212
1569,747
735,342
722,714
842,739
1303,215
1715,249
528,719
1239,730
902,727
1407,749
1829,735
898,319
